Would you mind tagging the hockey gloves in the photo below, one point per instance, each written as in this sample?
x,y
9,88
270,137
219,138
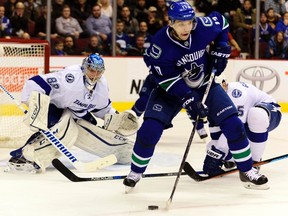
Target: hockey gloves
x,y
213,161
193,105
219,58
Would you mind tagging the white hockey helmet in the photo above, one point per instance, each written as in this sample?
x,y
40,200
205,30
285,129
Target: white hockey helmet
x,y
92,68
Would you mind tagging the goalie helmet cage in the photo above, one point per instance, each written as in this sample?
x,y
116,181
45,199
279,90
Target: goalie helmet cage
x,y
20,59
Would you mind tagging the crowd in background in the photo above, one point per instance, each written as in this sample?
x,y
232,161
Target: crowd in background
x,y
81,27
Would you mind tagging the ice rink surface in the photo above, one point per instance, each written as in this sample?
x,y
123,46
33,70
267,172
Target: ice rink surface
x,y
51,194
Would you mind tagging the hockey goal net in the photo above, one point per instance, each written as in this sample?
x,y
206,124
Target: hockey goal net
x,y
19,60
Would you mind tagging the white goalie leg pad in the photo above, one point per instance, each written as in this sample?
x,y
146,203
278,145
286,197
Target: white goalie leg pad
x,y
42,152
37,116
258,120
101,142
125,123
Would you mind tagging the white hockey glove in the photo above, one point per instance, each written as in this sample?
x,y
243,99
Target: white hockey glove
x,y
37,116
125,123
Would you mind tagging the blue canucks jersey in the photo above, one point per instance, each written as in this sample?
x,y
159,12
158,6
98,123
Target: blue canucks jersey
x,y
184,63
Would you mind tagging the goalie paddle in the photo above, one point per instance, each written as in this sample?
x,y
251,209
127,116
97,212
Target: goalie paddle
x,y
74,178
197,177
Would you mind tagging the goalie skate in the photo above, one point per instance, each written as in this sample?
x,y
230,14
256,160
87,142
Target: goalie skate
x,y
21,165
254,180
131,180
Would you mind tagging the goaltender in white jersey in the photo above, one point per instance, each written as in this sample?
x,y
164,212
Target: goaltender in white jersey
x,y
260,114
68,102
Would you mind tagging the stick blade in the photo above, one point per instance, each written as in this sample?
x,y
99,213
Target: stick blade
x,y
192,173
66,172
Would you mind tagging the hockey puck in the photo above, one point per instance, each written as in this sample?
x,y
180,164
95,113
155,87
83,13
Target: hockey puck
x,y
153,207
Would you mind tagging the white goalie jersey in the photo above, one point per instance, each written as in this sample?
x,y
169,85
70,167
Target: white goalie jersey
x,y
67,91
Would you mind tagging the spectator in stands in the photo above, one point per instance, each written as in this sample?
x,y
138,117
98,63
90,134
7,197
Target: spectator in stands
x,y
19,22
106,8
120,51
94,47
40,25
228,9
162,11
277,47
141,12
5,25
138,49
143,28
70,45
265,30
58,48
282,25
131,25
10,6
120,4
32,10
272,18
122,39
277,5
154,21
81,11
57,8
68,25
235,48
244,20
203,6
99,24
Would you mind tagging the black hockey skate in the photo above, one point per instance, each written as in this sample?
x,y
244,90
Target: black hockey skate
x,y
131,180
254,180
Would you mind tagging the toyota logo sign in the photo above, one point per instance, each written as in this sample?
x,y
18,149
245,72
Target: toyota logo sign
x,y
263,77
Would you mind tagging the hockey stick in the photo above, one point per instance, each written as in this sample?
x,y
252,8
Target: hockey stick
x,y
197,177
48,134
169,201
74,178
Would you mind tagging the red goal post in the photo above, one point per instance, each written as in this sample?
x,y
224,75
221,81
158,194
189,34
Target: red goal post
x,y
20,59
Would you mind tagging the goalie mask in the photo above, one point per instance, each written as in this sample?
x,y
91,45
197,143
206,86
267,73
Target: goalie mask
x,y
92,68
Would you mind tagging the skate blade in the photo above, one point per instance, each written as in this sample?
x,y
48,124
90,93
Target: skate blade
x,y
12,169
128,189
249,185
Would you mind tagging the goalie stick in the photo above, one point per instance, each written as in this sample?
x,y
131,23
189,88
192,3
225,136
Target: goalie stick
x,y
197,177
48,134
74,178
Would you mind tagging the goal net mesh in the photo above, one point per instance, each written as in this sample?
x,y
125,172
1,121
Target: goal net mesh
x,y
19,60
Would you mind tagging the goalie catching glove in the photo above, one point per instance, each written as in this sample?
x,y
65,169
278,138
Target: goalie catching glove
x,y
37,115
125,123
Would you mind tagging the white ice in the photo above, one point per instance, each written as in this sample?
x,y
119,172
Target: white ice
x,y
51,194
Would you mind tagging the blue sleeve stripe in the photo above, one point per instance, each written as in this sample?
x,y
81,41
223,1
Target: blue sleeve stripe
x,y
42,83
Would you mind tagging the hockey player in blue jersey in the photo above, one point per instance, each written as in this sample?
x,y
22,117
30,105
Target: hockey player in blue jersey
x,y
181,65
140,104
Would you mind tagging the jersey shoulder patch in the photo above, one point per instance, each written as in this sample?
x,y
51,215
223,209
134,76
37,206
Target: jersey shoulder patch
x,y
155,51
